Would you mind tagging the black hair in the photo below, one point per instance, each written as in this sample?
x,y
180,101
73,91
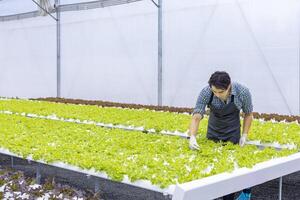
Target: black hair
x,y
220,79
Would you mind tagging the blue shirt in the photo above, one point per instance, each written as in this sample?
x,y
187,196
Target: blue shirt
x,y
242,99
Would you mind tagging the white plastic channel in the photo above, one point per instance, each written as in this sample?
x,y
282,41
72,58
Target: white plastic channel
x,y
134,128
92,172
78,121
226,183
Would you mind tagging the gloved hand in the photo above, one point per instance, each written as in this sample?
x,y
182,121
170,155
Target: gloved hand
x,y
243,139
193,143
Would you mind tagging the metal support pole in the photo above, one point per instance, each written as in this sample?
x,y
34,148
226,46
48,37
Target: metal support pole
x,y
58,66
299,64
280,188
159,91
38,174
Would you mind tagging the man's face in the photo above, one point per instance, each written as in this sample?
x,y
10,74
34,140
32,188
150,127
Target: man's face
x,y
221,93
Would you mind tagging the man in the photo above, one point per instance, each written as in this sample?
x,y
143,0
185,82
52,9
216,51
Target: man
x,y
225,100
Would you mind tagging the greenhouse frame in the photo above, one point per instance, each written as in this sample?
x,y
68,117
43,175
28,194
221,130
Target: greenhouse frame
x,y
101,95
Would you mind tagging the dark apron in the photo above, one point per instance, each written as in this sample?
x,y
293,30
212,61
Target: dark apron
x,y
224,124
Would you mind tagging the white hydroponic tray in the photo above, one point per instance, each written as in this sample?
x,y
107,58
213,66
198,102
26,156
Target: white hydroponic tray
x,y
226,183
205,188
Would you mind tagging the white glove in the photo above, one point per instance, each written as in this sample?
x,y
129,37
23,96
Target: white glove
x,y
243,139
193,143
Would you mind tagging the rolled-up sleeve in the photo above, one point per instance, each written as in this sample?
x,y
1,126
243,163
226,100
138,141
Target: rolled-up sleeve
x,y
202,101
247,106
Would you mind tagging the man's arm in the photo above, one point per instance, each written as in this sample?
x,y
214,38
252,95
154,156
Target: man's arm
x,y
193,131
247,122
247,108
246,127
197,115
196,118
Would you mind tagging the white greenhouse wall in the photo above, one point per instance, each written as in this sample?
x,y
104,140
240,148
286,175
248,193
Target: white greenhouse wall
x,y
28,58
250,39
111,53
114,55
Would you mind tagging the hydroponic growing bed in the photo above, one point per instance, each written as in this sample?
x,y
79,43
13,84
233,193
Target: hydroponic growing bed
x,y
112,143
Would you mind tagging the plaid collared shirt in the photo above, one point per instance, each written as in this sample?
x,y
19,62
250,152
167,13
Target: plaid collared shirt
x,y
242,99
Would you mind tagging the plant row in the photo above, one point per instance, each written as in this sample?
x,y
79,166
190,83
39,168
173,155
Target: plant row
x,y
163,160
264,131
